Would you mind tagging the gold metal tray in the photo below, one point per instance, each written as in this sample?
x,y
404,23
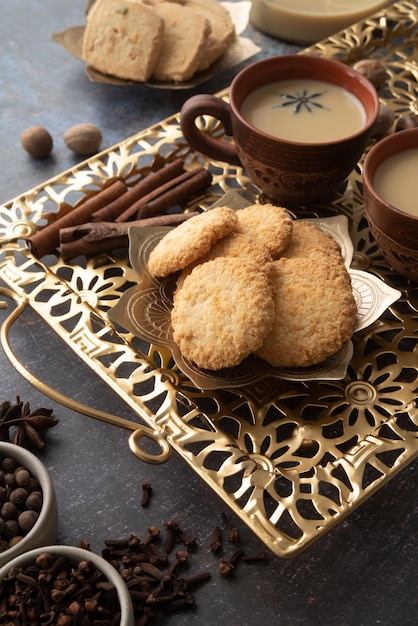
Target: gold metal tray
x,y
290,458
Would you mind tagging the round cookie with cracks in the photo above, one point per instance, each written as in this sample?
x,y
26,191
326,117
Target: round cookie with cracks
x,y
222,312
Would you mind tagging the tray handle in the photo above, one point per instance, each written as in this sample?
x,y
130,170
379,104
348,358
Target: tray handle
x,y
138,431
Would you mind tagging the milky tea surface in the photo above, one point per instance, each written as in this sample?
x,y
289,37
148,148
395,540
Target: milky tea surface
x,y
304,111
396,181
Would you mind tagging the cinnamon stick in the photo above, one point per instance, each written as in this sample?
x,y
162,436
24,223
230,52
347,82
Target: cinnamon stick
x,y
172,192
185,188
99,237
153,181
46,240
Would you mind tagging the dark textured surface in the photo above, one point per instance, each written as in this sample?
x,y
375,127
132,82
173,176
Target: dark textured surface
x,y
363,572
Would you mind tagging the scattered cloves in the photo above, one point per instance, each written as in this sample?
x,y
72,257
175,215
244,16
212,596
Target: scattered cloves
x,y
181,557
153,581
146,494
189,542
172,527
43,598
216,542
227,566
193,581
153,533
233,533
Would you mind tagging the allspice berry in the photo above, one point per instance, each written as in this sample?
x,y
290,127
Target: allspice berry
x,y
83,139
27,520
37,141
34,501
18,496
22,477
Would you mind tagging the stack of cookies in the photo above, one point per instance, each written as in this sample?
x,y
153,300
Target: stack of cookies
x,y
254,281
164,40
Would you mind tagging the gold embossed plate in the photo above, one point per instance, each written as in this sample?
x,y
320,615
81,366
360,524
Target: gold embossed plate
x,y
291,458
145,310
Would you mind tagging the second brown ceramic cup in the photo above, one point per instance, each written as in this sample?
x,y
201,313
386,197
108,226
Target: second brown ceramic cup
x,y
395,230
286,171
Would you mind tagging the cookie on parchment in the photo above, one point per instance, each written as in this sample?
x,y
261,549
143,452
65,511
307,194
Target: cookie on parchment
x,y
190,240
222,312
268,224
315,312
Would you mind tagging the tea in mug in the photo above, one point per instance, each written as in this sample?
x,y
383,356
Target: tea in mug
x,y
396,181
304,111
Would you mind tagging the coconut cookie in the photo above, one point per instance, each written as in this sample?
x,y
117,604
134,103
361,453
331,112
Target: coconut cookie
x,y
234,245
270,225
241,246
222,312
309,241
190,240
315,312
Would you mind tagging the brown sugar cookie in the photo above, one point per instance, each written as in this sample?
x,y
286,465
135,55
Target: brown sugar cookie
x,y
234,245
222,312
222,29
123,40
309,241
315,312
190,240
270,225
184,43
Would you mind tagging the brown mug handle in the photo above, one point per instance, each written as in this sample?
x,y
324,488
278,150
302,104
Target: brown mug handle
x,y
206,104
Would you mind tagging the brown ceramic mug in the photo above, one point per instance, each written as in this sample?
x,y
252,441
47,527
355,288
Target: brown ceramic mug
x,y
395,229
286,170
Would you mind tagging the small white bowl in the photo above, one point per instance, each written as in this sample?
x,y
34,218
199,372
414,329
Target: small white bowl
x,y
44,531
75,555
308,21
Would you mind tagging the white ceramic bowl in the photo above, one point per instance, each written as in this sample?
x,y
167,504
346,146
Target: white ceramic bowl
x,y
75,555
44,531
308,21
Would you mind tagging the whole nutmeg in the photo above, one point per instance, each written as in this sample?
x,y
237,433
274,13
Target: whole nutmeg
x,y
410,120
384,121
37,141
374,70
83,139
